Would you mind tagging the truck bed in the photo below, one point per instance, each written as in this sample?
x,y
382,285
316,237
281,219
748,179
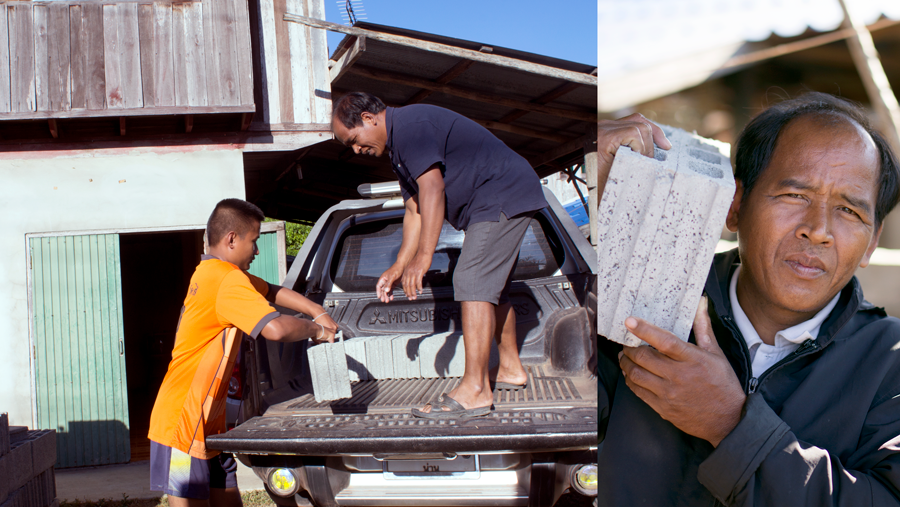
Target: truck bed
x,y
552,413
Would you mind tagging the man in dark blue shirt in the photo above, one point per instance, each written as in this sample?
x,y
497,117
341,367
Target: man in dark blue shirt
x,y
451,167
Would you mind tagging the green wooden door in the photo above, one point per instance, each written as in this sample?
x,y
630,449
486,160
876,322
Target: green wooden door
x,y
79,355
265,265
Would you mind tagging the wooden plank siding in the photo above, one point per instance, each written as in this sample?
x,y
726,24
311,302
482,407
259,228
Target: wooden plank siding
x,y
104,58
294,64
4,57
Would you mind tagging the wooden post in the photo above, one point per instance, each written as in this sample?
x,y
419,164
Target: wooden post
x,y
865,57
590,170
883,100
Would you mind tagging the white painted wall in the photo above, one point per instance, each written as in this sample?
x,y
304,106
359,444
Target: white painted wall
x,y
86,191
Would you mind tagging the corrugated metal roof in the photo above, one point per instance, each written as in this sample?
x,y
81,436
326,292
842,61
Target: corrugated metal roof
x,y
643,33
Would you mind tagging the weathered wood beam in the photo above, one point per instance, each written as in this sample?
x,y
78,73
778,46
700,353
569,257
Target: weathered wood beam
x,y
444,78
801,45
501,61
246,120
404,79
139,111
346,60
522,131
550,96
54,128
188,123
865,57
559,151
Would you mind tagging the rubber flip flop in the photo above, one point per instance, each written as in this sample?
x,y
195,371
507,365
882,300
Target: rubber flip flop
x,y
508,386
457,411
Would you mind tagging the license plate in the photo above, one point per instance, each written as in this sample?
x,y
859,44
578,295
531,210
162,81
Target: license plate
x,y
460,466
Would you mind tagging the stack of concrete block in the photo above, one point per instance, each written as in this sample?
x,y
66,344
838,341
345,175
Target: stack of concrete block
x,y
328,368
658,224
26,466
409,356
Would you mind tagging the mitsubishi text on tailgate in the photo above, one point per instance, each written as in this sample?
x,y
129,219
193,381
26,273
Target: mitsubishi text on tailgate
x,y
537,447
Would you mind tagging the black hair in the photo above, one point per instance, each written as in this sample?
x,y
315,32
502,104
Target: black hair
x,y
758,140
349,107
232,215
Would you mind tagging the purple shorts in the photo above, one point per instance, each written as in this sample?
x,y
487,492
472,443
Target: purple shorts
x,y
179,474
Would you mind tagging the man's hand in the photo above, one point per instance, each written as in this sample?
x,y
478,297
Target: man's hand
x,y
413,274
384,289
691,386
633,131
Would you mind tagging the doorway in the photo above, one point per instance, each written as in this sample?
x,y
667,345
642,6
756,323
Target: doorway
x,y
156,271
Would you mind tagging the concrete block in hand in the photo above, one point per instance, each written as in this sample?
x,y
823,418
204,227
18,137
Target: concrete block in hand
x,y
340,376
318,371
328,369
658,224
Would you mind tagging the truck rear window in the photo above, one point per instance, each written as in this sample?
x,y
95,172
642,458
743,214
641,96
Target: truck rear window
x,y
365,251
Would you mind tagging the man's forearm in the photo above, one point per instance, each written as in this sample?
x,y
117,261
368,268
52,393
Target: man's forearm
x,y
297,302
431,209
412,226
288,328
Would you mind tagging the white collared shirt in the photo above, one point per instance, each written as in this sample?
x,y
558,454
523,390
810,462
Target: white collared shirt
x,y
763,356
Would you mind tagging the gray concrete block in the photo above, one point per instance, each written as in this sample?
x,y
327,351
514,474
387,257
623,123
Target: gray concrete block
x,y
340,377
13,499
658,224
4,434
442,355
355,348
318,371
379,357
328,369
19,464
4,483
43,449
17,433
406,356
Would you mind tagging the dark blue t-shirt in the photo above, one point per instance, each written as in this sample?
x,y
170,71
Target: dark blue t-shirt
x,y
482,176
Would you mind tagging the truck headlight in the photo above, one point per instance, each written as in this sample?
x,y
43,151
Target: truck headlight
x,y
283,482
585,479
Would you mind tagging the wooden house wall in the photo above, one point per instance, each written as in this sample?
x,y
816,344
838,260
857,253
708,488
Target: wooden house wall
x,y
106,58
294,64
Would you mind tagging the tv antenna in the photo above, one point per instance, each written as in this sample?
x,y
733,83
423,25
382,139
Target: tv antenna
x,y
352,11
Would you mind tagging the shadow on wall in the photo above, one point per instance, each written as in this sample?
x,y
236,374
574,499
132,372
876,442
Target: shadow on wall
x,y
92,443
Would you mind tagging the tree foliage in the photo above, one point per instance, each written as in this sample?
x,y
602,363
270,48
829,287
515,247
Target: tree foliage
x,y
294,235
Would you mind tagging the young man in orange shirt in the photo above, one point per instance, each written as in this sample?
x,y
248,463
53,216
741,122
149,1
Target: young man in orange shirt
x,y
222,298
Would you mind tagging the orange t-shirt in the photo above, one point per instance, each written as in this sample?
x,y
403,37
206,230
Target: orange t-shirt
x,y
190,405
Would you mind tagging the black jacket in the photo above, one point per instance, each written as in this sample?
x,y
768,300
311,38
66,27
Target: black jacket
x,y
821,427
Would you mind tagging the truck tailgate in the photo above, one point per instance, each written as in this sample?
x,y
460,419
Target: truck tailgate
x,y
551,413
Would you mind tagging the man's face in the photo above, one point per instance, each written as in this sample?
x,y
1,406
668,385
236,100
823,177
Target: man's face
x,y
809,220
369,138
245,249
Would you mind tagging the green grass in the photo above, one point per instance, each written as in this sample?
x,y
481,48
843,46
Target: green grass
x,y
250,498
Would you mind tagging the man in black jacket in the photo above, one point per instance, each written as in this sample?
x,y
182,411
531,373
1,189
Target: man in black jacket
x,y
788,392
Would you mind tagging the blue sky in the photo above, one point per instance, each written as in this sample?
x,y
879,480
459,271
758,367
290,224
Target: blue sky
x,y
564,29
